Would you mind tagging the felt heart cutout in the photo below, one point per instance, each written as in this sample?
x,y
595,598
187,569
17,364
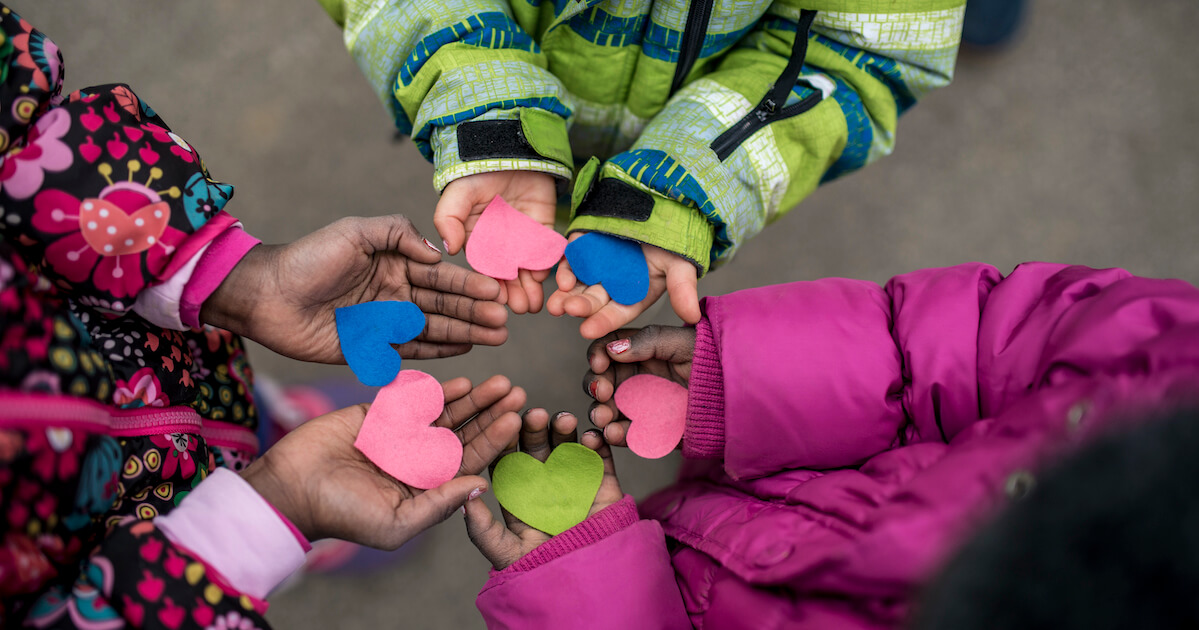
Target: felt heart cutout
x,y
396,434
111,232
506,240
554,496
657,408
367,331
616,263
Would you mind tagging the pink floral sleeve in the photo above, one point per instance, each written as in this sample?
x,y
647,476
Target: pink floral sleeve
x,y
95,188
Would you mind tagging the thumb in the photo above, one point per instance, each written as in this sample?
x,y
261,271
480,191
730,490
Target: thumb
x,y
674,344
434,506
393,233
450,216
488,535
680,284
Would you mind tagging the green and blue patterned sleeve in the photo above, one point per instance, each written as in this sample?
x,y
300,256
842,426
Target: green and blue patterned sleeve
x,y
465,80
722,159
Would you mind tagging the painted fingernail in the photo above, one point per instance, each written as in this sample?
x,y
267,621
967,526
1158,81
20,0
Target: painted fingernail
x,y
474,494
463,509
619,346
560,414
431,245
592,387
445,245
591,415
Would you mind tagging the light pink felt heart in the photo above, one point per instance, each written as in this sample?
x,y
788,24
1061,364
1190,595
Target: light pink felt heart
x,y
506,240
657,408
396,435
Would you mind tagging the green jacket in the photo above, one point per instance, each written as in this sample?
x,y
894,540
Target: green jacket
x,y
688,126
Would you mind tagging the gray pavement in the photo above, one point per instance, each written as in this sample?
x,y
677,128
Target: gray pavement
x,y
1076,145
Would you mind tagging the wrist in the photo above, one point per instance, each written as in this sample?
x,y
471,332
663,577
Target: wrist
x,y
231,305
265,480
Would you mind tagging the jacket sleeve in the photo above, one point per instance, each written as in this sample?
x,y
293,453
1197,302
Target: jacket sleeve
x,y
101,195
745,141
612,547
465,80
827,374
209,562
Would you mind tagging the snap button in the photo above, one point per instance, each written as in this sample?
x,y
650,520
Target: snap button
x,y
1076,414
773,554
672,507
1019,484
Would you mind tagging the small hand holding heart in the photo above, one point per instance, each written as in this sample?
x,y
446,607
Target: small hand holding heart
x,y
616,263
554,496
367,332
657,408
396,434
505,240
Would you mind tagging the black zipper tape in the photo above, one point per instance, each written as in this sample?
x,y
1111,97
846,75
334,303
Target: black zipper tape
x,y
769,109
698,17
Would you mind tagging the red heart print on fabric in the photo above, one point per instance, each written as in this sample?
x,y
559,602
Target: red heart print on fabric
x,y
505,240
396,434
657,408
111,232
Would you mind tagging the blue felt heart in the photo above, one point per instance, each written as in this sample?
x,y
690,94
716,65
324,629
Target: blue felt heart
x,y
616,263
367,332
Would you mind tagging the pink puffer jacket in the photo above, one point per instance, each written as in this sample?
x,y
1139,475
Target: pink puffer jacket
x,y
845,438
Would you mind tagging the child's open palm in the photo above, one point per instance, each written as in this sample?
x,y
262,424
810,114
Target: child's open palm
x,y
504,544
329,489
663,351
285,296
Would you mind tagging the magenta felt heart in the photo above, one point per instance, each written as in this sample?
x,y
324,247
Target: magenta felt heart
x,y
657,409
396,435
506,240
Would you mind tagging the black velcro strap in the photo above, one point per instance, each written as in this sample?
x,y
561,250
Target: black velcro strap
x,y
617,199
486,139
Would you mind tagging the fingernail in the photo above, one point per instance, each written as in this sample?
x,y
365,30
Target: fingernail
x,y
463,509
619,346
591,415
445,245
474,494
592,387
431,245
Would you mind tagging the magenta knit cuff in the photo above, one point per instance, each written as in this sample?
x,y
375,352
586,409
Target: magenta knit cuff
x,y
703,437
595,528
215,264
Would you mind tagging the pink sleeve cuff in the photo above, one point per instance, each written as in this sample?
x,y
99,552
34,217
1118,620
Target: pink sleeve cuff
x,y
703,436
214,266
295,531
229,526
595,528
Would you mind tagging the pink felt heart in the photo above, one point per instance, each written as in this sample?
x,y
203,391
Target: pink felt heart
x,y
396,435
657,408
506,240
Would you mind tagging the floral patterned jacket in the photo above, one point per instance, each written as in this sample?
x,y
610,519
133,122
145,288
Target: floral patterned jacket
x,y
115,403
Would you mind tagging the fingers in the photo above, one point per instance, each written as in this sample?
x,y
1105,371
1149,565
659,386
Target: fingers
x,y
420,349
534,434
495,439
614,315
392,233
518,301
673,344
442,329
564,429
592,440
531,281
615,432
464,401
499,545
450,278
681,280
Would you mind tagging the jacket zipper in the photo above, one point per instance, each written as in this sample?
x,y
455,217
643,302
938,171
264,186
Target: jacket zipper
x,y
696,28
769,109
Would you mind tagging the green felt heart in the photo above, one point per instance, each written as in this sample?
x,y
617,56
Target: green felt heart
x,y
553,496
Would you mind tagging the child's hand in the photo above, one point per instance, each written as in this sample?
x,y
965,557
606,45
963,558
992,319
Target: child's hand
x,y
504,545
667,272
329,489
463,200
284,296
664,351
